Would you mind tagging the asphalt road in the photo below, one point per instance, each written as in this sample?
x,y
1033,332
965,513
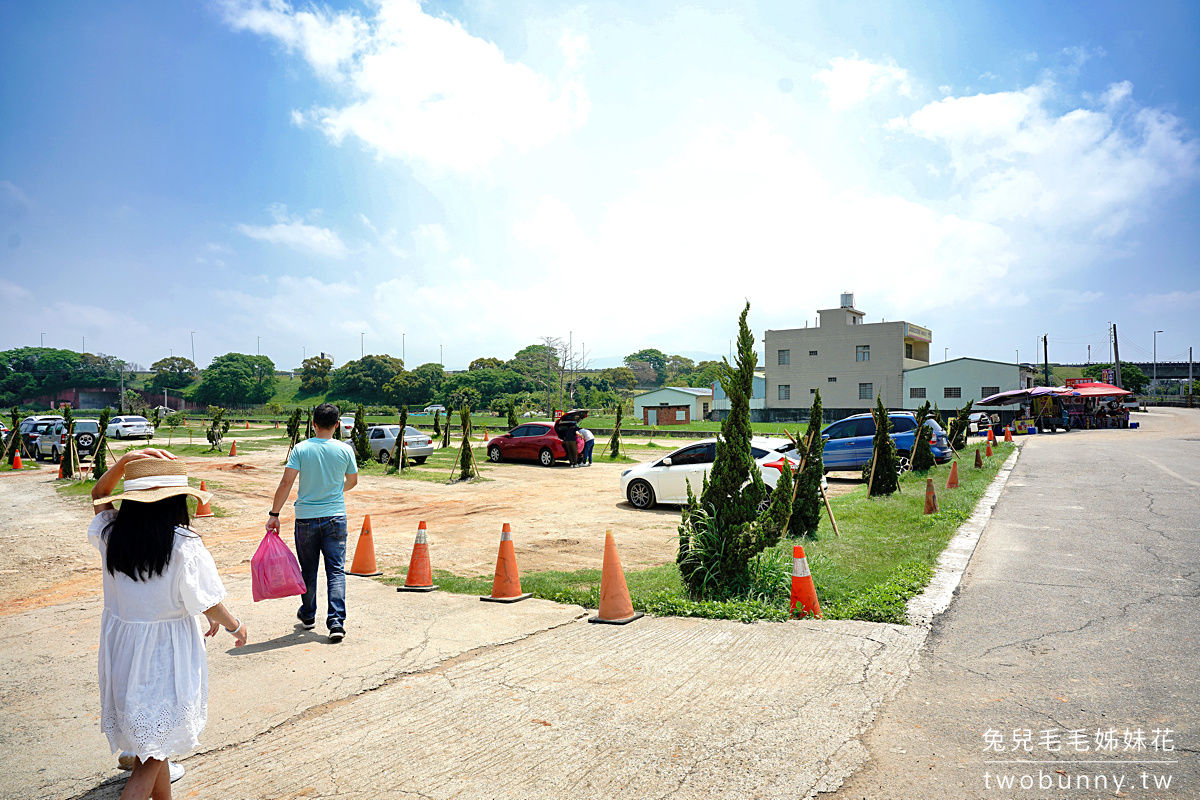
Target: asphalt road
x,y
1078,613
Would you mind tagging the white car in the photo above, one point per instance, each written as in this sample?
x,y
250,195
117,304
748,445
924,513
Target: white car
x,y
347,427
666,480
382,439
129,427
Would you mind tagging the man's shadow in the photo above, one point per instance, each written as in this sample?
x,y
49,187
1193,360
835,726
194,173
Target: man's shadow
x,y
297,636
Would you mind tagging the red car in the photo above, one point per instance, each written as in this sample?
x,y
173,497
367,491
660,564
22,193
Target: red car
x,y
533,441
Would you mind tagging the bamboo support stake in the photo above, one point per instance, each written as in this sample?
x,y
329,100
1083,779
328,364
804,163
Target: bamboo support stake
x,y
829,508
871,481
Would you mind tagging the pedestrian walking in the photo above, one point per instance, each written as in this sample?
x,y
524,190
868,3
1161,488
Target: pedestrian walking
x,y
327,470
158,577
589,442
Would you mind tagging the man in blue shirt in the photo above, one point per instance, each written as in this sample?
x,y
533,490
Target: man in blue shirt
x,y
327,470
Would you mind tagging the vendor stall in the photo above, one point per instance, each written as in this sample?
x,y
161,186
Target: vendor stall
x,y
1080,404
1094,405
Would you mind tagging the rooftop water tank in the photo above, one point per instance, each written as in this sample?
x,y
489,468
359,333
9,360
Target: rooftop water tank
x,y
847,299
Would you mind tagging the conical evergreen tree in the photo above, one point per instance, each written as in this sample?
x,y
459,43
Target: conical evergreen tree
x,y
69,455
466,461
358,437
398,460
959,425
437,425
724,529
512,416
806,511
100,457
883,479
922,454
614,444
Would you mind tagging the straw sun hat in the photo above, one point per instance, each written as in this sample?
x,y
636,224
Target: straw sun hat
x,y
150,479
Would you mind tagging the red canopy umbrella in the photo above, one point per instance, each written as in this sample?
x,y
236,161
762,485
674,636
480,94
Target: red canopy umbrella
x,y
1098,390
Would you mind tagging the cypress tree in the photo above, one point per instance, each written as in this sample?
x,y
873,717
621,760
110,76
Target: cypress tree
x,y
922,454
309,430
512,416
446,432
70,456
806,510
398,460
437,426
614,444
882,477
466,461
358,437
14,437
959,425
722,530
100,457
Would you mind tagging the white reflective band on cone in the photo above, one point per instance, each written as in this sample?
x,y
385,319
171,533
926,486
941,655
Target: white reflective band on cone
x,y
800,568
506,536
421,537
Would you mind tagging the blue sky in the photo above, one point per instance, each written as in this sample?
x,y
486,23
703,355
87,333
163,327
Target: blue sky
x,y
472,176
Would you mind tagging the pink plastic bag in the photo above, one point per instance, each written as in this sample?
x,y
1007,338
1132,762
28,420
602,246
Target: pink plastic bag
x,y
275,571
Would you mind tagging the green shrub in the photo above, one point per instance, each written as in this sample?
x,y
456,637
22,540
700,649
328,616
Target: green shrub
x,y
358,436
921,459
806,510
881,473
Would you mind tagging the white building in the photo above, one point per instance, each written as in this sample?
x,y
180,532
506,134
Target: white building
x,y
673,405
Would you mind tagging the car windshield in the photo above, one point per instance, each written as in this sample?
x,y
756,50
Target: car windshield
x,y
86,426
135,419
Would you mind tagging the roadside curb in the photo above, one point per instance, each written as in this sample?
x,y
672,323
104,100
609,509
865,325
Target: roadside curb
x,y
954,559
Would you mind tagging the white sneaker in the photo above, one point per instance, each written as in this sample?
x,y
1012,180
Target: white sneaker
x,y
177,770
126,760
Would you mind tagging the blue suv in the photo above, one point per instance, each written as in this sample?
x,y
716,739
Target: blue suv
x,y
849,443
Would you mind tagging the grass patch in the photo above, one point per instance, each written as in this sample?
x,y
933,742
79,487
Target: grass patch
x,y
884,556
245,445
82,491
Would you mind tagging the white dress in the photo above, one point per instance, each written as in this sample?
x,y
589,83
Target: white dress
x,y
153,666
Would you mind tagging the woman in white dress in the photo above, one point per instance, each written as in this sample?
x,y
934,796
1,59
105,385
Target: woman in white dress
x,y
158,577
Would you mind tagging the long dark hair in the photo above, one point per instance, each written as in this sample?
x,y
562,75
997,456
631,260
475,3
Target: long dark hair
x,y
140,538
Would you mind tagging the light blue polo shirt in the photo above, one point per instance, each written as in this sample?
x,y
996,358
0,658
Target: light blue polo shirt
x,y
323,465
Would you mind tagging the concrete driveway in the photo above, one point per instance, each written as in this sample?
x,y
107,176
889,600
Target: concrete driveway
x,y
1079,612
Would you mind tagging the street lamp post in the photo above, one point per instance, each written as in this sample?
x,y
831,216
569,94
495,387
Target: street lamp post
x,y
84,350
258,345
402,361
193,348
362,351
1154,380
945,353
43,340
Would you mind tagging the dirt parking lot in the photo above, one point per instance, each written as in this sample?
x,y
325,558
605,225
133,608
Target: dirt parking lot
x,y
558,517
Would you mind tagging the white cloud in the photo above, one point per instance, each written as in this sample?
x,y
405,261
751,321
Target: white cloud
x,y
1170,301
298,235
850,81
420,87
1015,157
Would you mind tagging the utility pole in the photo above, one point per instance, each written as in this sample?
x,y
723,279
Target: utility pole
x,y
1089,361
1154,380
1046,355
193,348
1189,377
122,388
1117,357
402,361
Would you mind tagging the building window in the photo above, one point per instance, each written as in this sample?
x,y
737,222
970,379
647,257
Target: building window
x,y
812,352
812,391
680,415
704,409
916,394
952,392
785,358
865,391
862,352
785,391
988,391
831,380
908,349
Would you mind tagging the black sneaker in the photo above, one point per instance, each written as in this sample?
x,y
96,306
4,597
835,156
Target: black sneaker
x,y
337,633
307,624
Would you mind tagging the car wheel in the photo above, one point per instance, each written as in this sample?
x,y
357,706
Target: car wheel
x,y
383,457
546,457
903,463
55,458
641,495
419,460
85,441
494,454
765,502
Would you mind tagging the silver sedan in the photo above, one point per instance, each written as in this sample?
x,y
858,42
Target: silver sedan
x,y
382,439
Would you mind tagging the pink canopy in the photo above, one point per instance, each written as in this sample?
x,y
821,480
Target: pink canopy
x,y
1098,390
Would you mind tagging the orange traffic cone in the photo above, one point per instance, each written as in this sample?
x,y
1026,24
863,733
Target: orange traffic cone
x,y
615,606
276,424
203,509
931,503
17,461
420,576
247,424
804,593
989,450
991,437
978,460
952,481
233,448
1007,434
60,470
506,585
364,554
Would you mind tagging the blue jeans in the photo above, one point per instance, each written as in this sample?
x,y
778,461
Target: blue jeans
x,y
586,458
314,538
